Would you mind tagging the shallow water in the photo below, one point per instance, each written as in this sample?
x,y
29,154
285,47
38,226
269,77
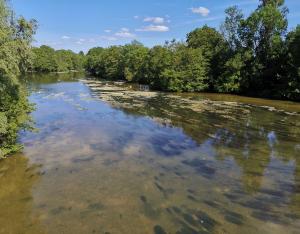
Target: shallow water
x,y
108,159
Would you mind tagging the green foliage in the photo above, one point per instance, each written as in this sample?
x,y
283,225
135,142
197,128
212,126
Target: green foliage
x,y
292,89
231,26
105,63
158,60
133,56
261,61
117,62
15,53
251,55
46,59
229,81
188,72
173,67
214,48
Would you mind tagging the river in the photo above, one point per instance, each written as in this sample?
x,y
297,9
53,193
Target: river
x,y
108,158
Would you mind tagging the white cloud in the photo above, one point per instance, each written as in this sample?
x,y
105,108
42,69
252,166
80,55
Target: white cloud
x,y
154,28
200,10
80,41
136,17
124,29
65,37
155,20
107,30
108,38
124,33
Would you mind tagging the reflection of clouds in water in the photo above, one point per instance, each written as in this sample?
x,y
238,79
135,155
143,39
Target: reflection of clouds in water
x,y
55,95
99,163
272,139
133,150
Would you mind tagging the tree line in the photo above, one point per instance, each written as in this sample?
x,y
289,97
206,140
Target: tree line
x,y
254,55
47,59
15,57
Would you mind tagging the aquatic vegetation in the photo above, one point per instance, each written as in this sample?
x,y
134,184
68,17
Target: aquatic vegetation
x,y
201,167
104,171
159,230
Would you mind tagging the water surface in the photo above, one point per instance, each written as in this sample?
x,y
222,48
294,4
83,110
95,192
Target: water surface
x,y
109,159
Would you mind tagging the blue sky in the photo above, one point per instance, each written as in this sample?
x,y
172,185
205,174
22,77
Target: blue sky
x,y
83,24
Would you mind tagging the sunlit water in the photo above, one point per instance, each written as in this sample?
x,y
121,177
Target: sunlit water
x,y
152,163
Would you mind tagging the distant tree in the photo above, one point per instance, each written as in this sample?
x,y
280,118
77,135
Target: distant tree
x,y
112,61
250,55
214,48
189,70
134,55
49,60
159,59
93,61
44,59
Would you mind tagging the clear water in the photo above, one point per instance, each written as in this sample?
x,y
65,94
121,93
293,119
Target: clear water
x,y
107,160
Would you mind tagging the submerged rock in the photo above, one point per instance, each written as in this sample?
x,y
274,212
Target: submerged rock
x,y
83,159
234,217
159,230
206,221
201,166
143,199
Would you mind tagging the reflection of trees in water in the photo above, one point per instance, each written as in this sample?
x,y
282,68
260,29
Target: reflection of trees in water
x,y
254,140
35,80
16,181
251,138
295,199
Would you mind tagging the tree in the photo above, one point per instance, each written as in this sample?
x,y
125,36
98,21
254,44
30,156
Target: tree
x,y
134,55
292,89
15,56
251,55
189,71
93,63
230,28
158,59
214,49
44,59
47,59
262,36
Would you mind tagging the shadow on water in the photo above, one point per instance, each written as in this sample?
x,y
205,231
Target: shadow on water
x,y
52,78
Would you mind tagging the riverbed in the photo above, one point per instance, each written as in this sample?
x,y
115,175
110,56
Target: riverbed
x,y
108,158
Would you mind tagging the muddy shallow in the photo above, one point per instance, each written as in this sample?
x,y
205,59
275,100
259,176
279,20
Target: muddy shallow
x,y
111,159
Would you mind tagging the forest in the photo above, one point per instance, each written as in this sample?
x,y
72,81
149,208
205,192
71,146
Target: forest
x,y
253,56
